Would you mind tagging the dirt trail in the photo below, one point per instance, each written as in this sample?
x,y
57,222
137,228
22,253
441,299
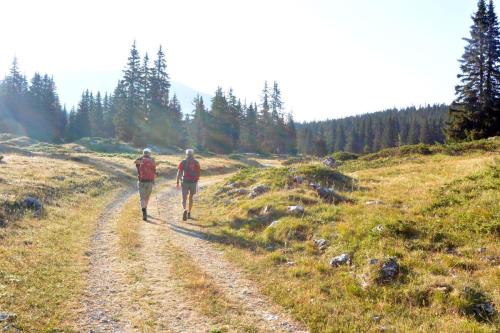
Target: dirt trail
x,y
110,304
189,237
106,290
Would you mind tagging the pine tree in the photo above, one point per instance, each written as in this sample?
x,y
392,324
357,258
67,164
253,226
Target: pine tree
x,y
250,130
71,126
129,122
199,119
97,116
291,136
178,134
473,114
266,128
159,118
82,117
219,139
340,138
13,94
108,116
390,133
413,133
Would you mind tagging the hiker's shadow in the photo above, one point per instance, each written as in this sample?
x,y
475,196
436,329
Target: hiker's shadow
x,y
155,220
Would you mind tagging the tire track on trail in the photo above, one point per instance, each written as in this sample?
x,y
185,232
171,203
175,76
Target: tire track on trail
x,y
106,291
252,306
110,302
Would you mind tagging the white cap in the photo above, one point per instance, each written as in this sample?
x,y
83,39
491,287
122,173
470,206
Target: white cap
x,y
189,152
146,151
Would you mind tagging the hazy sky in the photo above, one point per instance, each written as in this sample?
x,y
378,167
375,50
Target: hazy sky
x,y
332,58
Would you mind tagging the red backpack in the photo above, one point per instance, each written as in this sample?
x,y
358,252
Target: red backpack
x,y
147,169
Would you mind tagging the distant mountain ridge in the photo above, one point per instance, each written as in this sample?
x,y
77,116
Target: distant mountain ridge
x,y
71,85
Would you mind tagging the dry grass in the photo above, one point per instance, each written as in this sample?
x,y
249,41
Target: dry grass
x,y
42,260
436,212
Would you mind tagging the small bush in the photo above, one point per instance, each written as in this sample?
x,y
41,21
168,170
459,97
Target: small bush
x,y
476,304
236,157
402,228
344,156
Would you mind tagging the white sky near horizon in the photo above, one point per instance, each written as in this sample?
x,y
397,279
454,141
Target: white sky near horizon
x,y
331,58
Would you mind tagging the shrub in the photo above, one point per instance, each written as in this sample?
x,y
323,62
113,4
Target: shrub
x,y
344,156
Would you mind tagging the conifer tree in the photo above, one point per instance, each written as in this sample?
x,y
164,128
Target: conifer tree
x,y
340,138
160,93
199,119
291,136
97,116
473,115
13,94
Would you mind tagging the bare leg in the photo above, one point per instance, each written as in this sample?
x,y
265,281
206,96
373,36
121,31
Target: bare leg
x,y
184,198
190,202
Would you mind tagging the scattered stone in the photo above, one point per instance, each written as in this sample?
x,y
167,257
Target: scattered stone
x,y
258,190
373,261
298,179
374,202
443,287
481,250
238,191
484,310
33,204
270,317
290,263
6,317
321,243
493,260
221,191
296,209
330,162
342,259
377,318
388,271
267,210
273,224
477,304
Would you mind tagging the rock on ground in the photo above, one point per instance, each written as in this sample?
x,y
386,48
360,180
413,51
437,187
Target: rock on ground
x,y
330,162
258,190
321,243
34,204
388,271
343,259
296,209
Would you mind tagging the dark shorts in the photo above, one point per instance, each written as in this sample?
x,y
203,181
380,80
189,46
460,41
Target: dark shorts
x,y
189,187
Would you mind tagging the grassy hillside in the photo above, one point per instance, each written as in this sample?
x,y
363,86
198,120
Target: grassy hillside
x,y
430,216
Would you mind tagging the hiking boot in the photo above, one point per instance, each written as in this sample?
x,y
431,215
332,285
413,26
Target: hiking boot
x,y
189,215
144,214
185,215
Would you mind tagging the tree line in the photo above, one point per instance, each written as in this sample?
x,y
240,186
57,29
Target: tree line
x,y
371,132
142,110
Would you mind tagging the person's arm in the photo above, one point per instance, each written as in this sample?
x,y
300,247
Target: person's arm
x,y
137,166
179,173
